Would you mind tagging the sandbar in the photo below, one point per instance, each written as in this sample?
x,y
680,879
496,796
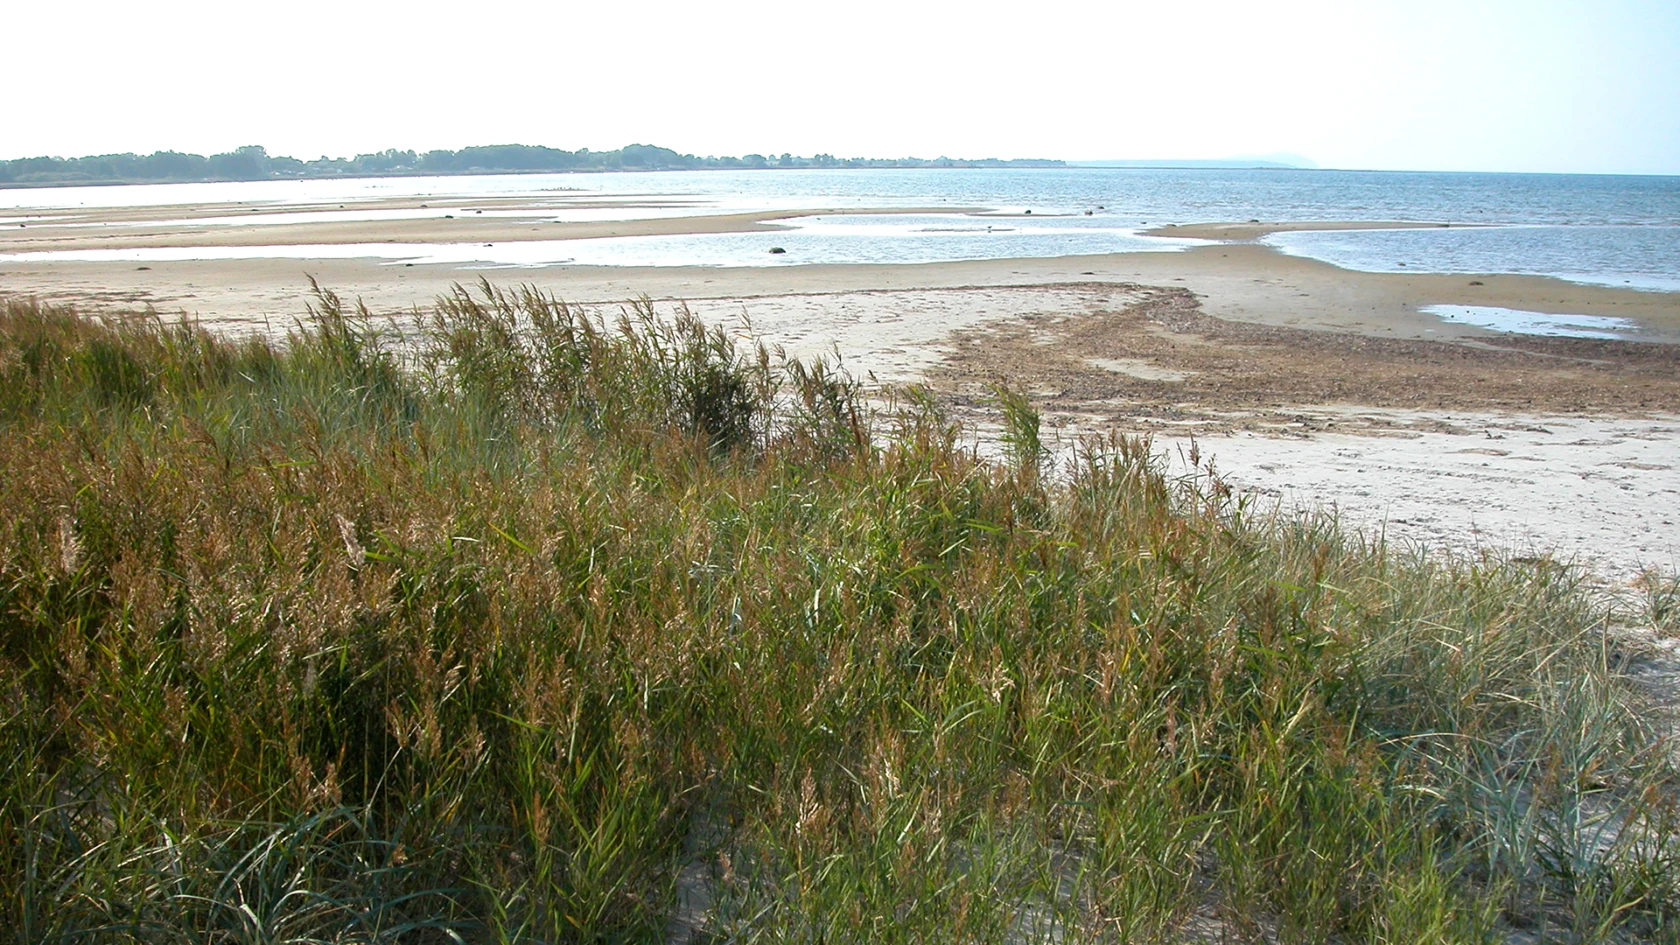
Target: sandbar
x,y
90,234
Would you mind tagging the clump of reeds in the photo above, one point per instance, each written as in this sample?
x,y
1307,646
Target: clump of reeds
x,y
533,625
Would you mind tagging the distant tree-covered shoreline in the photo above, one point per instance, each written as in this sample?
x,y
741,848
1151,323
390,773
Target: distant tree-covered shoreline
x,y
253,162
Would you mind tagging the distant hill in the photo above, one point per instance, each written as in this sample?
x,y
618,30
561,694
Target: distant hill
x,y
255,163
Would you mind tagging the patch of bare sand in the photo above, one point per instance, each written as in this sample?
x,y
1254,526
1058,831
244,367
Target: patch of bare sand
x,y
900,335
1593,490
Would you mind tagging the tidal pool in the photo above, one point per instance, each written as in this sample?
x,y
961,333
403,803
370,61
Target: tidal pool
x,y
1516,321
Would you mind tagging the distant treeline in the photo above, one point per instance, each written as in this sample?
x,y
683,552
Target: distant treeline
x,y
255,163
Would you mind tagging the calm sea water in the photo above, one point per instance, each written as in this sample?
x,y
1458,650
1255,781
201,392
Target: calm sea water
x,y
1617,230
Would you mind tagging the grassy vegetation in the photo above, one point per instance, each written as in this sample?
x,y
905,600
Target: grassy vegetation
x,y
534,627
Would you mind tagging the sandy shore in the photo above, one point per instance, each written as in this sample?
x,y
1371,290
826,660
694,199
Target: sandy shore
x,y
1238,281
1236,278
1309,384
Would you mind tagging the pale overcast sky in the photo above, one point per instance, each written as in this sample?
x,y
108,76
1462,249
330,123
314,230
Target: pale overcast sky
x,y
1518,85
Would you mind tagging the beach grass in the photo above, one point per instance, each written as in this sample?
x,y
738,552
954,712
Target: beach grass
x,y
518,623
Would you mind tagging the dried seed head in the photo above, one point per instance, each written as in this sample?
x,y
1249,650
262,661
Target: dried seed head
x,y
352,547
69,546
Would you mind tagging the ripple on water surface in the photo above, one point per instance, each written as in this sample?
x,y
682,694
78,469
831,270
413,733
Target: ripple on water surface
x,y
1639,257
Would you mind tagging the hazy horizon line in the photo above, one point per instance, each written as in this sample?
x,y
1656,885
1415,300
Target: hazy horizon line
x,y
757,161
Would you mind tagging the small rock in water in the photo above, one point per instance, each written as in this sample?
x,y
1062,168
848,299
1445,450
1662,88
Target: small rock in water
x,y
777,250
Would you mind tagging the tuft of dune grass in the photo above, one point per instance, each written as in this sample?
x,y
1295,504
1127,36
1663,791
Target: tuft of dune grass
x,y
530,624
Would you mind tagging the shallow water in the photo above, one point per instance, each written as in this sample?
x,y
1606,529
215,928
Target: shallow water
x,y
1520,322
869,239
1617,230
1644,256
864,239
